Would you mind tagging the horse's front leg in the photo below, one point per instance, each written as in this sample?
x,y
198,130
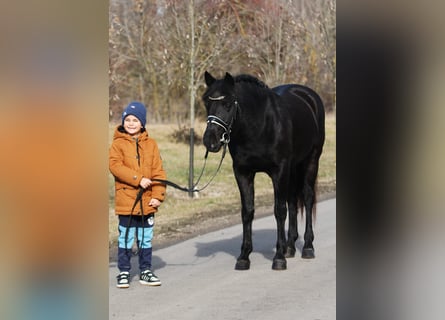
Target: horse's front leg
x,y
280,211
246,187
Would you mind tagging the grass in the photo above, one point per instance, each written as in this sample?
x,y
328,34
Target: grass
x,y
222,194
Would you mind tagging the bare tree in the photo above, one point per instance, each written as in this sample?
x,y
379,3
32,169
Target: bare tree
x,y
279,41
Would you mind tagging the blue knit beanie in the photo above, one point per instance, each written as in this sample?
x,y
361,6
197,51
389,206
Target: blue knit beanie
x,y
136,109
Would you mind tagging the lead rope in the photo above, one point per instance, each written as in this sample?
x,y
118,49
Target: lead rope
x,y
138,199
141,191
174,185
194,188
216,172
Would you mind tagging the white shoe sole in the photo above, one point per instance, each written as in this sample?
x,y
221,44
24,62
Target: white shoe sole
x,y
153,284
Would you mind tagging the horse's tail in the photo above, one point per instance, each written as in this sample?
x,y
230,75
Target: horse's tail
x,y
301,205
308,184
300,202
315,102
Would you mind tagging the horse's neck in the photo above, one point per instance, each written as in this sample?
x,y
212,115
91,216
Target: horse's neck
x,y
248,126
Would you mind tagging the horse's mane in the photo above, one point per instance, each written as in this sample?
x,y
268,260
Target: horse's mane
x,y
251,79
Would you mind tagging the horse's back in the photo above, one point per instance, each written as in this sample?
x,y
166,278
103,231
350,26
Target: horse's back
x,y
309,95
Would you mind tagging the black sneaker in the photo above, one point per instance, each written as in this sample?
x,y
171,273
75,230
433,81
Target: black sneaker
x,y
148,278
123,279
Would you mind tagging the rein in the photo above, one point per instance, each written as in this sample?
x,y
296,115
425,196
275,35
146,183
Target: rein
x,y
185,189
194,188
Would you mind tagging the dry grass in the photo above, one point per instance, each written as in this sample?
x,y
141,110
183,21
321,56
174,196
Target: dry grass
x,y
222,194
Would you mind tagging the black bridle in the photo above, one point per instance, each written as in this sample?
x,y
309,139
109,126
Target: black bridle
x,y
211,119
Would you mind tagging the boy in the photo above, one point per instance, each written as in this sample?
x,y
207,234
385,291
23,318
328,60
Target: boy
x,y
134,160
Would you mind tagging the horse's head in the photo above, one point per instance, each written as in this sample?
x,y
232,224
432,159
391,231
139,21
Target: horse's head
x,y
222,107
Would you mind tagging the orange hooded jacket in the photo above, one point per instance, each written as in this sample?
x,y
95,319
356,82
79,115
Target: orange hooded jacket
x,y
131,159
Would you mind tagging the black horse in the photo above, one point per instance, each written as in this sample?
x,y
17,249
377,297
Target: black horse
x,y
278,131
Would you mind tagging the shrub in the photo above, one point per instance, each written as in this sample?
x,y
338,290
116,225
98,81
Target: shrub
x,y
182,135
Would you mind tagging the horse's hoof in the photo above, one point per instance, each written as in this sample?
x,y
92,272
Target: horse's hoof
x,y
308,253
290,252
242,265
279,264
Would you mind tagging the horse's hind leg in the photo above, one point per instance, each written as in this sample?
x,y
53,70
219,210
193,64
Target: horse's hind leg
x,y
281,186
309,197
292,207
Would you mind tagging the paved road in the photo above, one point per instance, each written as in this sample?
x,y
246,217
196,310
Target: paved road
x,y
199,281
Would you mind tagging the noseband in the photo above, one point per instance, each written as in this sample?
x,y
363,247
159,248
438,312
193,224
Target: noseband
x,y
211,119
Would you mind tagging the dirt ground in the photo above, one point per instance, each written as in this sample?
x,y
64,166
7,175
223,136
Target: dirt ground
x,y
202,224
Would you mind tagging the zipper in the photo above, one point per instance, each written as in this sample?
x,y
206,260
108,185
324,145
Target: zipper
x,y
138,156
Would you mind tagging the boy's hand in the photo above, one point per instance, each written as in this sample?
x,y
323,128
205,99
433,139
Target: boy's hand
x,y
145,183
154,203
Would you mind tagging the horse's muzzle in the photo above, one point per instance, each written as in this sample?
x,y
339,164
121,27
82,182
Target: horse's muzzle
x,y
213,147
211,141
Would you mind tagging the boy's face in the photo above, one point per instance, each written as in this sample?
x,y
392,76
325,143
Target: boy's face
x,y
132,125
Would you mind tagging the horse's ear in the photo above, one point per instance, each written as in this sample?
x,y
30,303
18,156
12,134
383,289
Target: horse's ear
x,y
209,79
229,79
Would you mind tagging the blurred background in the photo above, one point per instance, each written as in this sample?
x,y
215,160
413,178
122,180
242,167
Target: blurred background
x,y
53,142
390,108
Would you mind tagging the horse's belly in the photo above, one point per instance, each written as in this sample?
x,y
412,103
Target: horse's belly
x,y
256,163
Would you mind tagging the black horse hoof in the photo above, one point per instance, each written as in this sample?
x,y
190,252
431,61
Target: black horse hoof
x,y
290,252
242,265
308,253
279,264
